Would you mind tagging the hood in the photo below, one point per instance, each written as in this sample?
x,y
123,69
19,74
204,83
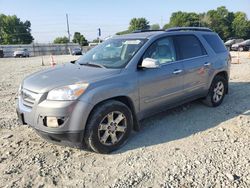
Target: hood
x,y
244,43
66,74
236,45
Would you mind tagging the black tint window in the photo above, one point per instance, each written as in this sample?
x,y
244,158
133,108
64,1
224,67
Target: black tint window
x,y
215,42
189,46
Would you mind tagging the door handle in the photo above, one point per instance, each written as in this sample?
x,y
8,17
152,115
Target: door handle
x,y
177,71
207,64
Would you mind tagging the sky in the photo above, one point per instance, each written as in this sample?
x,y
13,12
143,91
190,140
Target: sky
x,y
48,17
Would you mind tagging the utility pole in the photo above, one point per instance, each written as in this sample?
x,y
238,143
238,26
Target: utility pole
x,y
68,27
99,35
161,23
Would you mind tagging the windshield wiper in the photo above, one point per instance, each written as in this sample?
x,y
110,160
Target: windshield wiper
x,y
93,65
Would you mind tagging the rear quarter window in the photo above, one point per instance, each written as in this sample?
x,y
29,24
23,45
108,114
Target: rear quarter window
x,y
216,43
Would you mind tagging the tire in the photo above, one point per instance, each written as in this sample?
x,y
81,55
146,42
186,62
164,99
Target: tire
x,y
101,127
217,83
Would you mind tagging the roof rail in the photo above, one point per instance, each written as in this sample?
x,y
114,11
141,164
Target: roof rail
x,y
147,30
189,29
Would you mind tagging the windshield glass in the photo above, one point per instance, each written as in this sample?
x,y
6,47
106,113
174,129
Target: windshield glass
x,y
113,53
246,42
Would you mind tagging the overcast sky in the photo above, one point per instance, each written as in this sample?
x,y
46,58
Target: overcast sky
x,y
48,18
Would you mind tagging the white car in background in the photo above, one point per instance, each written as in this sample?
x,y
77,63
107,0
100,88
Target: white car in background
x,y
21,53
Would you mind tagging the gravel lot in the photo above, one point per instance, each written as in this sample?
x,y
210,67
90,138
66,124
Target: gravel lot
x,y
189,146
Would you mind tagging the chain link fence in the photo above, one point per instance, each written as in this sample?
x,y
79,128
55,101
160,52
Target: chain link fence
x,y
42,49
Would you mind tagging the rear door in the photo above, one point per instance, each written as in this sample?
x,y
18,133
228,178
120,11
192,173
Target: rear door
x,y
196,64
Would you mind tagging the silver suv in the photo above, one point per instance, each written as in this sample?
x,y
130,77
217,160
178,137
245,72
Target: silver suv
x,y
99,99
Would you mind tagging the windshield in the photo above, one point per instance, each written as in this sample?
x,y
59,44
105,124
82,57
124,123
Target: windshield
x,y
113,53
246,42
21,49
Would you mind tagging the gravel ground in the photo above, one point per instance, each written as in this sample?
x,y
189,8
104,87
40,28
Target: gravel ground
x,y
189,146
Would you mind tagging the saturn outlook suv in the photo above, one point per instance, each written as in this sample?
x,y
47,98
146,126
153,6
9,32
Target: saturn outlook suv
x,y
96,101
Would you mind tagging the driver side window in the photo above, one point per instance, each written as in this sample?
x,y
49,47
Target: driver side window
x,y
162,50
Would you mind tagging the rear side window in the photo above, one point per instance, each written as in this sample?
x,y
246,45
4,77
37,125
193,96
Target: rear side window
x,y
189,46
216,43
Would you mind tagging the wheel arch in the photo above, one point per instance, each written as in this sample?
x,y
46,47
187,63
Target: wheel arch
x,y
224,74
125,100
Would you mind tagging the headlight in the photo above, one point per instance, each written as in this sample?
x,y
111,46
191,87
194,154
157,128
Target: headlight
x,y
70,92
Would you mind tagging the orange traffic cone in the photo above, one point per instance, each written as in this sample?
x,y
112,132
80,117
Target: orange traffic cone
x,y
52,62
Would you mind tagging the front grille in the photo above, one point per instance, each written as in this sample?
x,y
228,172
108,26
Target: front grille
x,y
28,98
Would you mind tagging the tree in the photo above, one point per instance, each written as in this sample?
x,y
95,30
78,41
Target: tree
x,y
226,24
80,39
240,25
138,24
61,40
220,20
155,27
123,32
167,26
97,41
14,31
183,19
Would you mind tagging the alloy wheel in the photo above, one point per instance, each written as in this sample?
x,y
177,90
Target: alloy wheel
x,y
218,92
112,128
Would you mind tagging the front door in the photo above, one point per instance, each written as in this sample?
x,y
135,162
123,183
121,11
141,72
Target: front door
x,y
161,86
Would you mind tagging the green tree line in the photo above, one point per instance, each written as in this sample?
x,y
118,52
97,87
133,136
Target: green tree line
x,y
227,24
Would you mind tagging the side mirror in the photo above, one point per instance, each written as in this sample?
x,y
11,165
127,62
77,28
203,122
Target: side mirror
x,y
149,63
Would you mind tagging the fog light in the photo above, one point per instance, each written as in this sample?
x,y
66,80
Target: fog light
x,y
52,122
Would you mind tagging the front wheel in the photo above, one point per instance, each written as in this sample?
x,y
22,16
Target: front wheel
x,y
216,92
108,127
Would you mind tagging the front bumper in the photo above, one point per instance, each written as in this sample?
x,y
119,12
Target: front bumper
x,y
234,48
74,114
72,139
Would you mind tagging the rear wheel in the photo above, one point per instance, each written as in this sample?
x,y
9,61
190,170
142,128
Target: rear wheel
x,y
109,127
216,92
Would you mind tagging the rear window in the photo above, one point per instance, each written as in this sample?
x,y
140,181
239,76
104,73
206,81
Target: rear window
x,y
215,42
189,46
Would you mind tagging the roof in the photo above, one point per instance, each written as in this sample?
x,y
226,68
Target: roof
x,y
142,34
